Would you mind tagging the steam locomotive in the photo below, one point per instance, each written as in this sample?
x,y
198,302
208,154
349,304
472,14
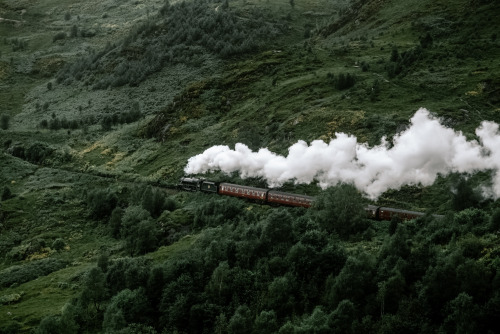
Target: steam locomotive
x,y
270,196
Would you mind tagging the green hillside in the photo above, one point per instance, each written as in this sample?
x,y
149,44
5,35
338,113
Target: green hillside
x,y
102,103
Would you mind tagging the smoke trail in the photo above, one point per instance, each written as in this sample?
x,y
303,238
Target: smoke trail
x,y
417,156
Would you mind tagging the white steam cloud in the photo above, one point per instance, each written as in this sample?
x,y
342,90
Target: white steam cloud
x,y
417,156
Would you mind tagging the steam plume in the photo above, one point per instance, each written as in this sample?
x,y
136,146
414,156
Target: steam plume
x,y
417,156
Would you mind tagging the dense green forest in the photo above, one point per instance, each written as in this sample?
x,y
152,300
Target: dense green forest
x,y
102,103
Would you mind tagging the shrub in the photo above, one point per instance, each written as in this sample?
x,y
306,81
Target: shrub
x,y
153,200
29,271
340,209
74,31
101,203
217,210
426,41
60,35
38,152
58,244
495,220
106,123
342,81
185,33
115,222
17,150
464,196
6,193
4,122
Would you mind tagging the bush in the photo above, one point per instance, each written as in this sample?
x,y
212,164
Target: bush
x,y
217,210
59,36
115,222
101,203
4,121
58,244
184,33
495,221
340,209
153,200
6,193
464,196
29,271
38,152
342,81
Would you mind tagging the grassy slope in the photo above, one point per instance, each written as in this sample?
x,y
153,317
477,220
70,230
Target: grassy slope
x,y
302,104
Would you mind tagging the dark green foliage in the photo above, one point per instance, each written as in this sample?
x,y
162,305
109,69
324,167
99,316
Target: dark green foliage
x,y
400,63
8,239
4,121
7,143
115,221
29,271
101,203
170,204
18,44
395,221
94,291
143,238
394,55
138,230
472,220
6,193
124,308
342,318
464,196
58,244
241,322
106,123
64,324
38,152
426,41
17,150
132,216
74,31
354,282
340,210
277,232
462,315
342,81
266,323
216,211
103,262
250,276
182,33
127,273
495,221
12,327
59,36
153,200
365,66
49,325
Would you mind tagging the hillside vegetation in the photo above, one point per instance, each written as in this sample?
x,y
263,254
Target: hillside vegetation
x,y
103,102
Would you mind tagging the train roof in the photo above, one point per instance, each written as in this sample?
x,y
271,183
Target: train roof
x,y
415,213
290,194
239,186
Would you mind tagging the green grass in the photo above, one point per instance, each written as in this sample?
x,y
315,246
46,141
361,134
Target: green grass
x,y
41,297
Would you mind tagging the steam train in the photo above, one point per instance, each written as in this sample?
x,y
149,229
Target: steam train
x,y
269,196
